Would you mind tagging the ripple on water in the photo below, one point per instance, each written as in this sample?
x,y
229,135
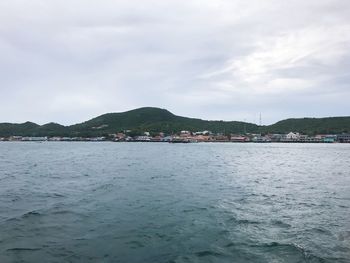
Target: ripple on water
x,y
115,202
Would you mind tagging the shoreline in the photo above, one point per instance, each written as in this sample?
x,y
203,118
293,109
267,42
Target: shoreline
x,y
233,142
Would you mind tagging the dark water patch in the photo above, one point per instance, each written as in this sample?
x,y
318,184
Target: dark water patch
x,y
279,223
134,244
321,231
207,253
237,221
195,210
344,236
23,249
286,249
247,222
106,187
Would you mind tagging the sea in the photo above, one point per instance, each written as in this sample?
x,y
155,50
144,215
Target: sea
x,y
167,203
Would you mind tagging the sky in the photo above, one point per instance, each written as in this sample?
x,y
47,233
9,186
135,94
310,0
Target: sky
x,y
68,61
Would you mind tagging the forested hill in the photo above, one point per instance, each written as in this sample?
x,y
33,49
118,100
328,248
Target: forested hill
x,y
161,120
330,125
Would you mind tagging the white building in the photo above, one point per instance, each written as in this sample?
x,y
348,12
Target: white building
x,y
293,136
202,133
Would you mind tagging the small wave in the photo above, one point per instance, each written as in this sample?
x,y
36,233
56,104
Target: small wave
x,y
306,255
247,222
190,210
277,244
135,244
61,212
31,214
308,204
24,216
231,244
234,220
281,245
321,231
280,223
23,249
206,253
104,187
57,195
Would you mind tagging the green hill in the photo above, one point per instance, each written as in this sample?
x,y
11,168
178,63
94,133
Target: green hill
x,y
22,129
157,120
153,120
330,125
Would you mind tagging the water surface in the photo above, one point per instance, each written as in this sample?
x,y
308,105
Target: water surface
x,y
160,202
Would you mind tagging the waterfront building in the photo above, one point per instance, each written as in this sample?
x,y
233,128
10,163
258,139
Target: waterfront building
x,y
34,139
276,137
259,138
15,138
343,138
55,139
167,138
221,138
202,138
143,138
330,138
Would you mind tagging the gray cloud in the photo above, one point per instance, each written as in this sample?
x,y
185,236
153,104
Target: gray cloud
x,y
67,61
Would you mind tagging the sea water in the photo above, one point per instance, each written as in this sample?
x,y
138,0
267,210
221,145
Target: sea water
x,y
161,202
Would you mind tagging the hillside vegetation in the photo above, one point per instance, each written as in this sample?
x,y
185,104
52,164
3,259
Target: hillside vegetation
x,y
157,120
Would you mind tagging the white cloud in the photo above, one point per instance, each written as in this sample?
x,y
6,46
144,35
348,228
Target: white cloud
x,y
210,59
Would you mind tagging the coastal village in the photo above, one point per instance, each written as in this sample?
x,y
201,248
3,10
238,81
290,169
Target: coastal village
x,y
196,137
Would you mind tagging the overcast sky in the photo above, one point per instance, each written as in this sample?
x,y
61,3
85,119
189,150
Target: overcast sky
x,y
67,61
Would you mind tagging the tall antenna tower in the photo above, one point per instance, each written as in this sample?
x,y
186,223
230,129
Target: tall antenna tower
x,y
260,119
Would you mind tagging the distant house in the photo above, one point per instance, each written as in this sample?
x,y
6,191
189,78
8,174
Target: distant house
x,y
202,138
238,138
259,138
120,135
293,136
156,138
303,138
202,133
221,138
277,137
167,138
